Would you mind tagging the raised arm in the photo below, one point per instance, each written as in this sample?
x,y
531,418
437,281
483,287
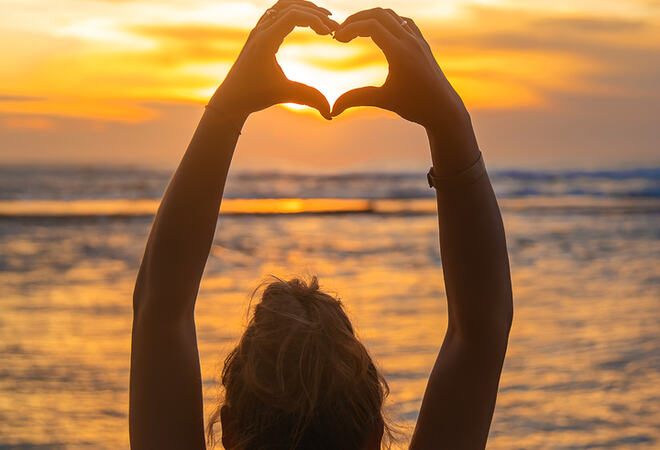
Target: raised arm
x,y
460,396
166,389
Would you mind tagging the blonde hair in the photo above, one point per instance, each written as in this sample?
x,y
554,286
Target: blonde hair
x,y
299,378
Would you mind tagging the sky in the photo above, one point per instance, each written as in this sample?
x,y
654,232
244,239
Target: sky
x,y
549,84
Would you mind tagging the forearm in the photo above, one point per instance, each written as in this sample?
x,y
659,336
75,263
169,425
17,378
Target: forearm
x,y
182,232
166,399
472,241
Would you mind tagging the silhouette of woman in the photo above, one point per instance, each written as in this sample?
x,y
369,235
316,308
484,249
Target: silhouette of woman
x,y
299,378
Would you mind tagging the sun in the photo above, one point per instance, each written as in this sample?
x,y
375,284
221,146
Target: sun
x,y
330,67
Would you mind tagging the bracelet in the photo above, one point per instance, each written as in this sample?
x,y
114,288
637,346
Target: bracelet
x,y
467,176
223,115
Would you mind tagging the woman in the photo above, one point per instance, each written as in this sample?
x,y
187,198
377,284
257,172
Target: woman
x,y
299,378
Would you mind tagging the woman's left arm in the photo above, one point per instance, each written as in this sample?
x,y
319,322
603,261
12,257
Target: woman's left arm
x,y
166,387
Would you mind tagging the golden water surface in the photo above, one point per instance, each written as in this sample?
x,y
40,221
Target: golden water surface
x,y
582,369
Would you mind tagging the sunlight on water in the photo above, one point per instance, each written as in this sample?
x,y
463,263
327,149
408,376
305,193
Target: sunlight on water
x,y
143,207
123,207
583,366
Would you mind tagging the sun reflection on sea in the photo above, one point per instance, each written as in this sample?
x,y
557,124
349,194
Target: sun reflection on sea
x,y
582,362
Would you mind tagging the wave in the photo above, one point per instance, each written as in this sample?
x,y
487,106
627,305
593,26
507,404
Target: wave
x,y
70,183
619,174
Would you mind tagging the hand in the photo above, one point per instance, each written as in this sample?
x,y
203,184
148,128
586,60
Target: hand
x,y
415,88
256,81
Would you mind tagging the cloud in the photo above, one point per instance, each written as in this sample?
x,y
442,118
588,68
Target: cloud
x,y
20,98
593,133
579,83
590,24
192,43
192,33
178,45
552,53
28,123
366,57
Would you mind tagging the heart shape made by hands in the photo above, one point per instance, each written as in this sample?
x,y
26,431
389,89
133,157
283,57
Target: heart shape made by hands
x,y
330,66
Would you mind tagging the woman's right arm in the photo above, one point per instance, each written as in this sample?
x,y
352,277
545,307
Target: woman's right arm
x,y
458,404
166,409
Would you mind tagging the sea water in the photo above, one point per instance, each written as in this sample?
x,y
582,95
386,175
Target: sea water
x,y
583,364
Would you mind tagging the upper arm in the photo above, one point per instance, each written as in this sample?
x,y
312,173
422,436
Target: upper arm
x,y
458,404
166,409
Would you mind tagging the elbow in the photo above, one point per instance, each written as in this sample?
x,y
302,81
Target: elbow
x,y
496,331
160,309
497,323
509,317
488,328
139,292
157,306
499,327
163,297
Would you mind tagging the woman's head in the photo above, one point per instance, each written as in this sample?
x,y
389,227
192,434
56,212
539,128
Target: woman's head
x,y
299,378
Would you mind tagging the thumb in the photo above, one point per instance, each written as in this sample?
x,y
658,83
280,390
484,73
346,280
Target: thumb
x,y
306,95
365,96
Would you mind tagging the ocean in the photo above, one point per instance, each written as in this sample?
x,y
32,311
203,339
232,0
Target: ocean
x,y
583,365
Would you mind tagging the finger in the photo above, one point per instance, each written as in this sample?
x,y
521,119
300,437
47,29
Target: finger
x,y
327,12
283,3
403,22
276,12
369,28
413,26
273,14
392,23
297,16
306,95
366,96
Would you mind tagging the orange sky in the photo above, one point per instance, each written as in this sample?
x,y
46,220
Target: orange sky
x,y
565,83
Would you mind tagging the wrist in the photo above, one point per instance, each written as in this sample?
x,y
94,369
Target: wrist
x,y
223,106
453,144
226,102
224,116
